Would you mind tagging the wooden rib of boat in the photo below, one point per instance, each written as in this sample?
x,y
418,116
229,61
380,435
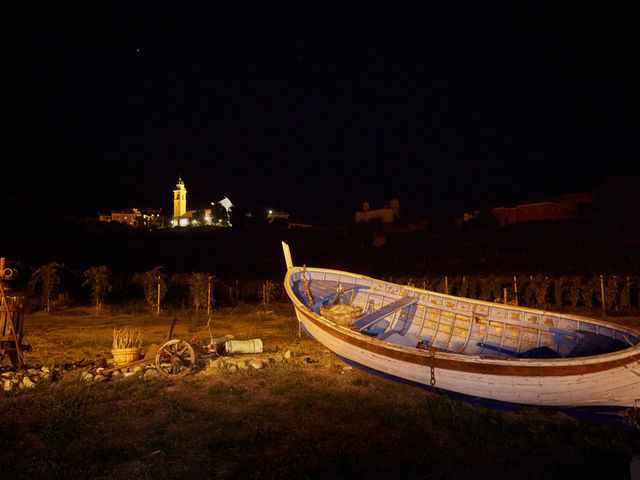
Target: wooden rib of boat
x,y
478,349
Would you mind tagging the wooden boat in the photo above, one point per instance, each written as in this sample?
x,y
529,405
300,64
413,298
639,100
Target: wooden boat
x,y
473,349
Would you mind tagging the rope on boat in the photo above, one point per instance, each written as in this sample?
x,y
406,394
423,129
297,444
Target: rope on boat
x,y
305,282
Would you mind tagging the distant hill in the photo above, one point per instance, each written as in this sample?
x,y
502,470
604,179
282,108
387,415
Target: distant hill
x,y
605,237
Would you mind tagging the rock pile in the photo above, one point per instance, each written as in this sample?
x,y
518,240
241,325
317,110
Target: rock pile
x,y
246,362
103,369
28,378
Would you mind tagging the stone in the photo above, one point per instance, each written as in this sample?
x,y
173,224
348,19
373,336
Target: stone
x,y
287,354
217,363
232,368
151,373
7,385
243,366
278,357
256,364
87,376
28,383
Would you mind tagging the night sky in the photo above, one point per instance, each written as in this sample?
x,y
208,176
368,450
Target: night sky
x,y
314,108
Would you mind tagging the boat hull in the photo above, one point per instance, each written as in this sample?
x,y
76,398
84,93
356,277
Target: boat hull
x,y
610,380
616,387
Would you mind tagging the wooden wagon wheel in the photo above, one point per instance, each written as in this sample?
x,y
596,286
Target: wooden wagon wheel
x,y
175,357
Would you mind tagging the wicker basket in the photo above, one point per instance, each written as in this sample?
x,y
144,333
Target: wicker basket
x,y
122,356
341,314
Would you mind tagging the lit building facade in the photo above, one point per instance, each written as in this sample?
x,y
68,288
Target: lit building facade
x,y
388,214
148,217
179,200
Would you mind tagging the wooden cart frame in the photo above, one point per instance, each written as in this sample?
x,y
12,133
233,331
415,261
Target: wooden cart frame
x,y
175,357
11,320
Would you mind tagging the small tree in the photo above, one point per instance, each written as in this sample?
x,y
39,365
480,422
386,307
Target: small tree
x,y
611,287
475,287
440,284
47,277
98,279
198,289
540,285
592,295
154,284
491,288
575,291
625,294
559,288
268,289
521,283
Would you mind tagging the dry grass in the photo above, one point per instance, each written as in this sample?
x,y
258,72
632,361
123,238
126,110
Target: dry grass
x,y
303,419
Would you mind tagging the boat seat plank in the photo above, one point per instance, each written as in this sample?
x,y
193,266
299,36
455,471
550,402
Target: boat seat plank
x,y
370,318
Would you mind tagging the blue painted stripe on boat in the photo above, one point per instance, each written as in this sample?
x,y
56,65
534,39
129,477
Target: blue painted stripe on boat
x,y
370,318
496,348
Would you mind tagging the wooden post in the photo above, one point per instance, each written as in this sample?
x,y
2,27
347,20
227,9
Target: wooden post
x,y
209,295
515,288
446,285
158,303
504,295
264,296
604,312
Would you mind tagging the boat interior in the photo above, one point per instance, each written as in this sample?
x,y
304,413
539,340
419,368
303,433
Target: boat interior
x,y
422,319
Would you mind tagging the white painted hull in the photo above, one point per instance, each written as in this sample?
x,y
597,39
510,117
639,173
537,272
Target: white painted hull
x,y
606,380
616,387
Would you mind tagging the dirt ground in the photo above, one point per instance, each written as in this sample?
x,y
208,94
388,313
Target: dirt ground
x,y
308,415
78,334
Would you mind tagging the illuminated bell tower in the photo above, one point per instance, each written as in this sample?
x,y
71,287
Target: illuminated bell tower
x,y
179,199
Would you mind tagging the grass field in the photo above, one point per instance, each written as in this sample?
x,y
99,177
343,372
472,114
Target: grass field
x,y
308,417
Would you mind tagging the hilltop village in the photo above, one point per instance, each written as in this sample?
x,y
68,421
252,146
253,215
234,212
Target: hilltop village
x,y
219,213
215,214
569,233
